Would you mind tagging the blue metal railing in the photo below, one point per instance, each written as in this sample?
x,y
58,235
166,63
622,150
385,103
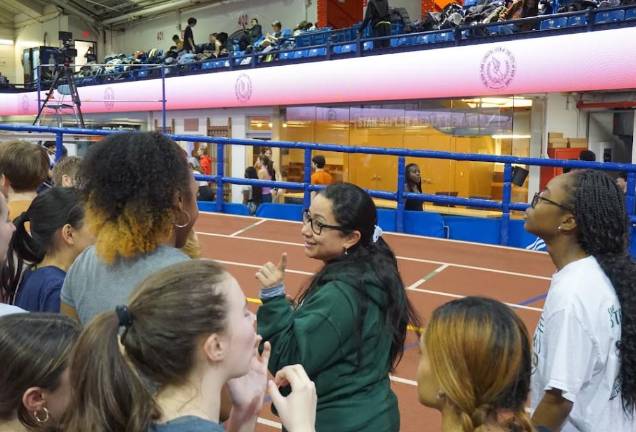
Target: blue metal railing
x,y
400,196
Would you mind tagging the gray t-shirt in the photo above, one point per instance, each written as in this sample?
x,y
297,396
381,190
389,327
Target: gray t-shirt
x,y
187,424
92,286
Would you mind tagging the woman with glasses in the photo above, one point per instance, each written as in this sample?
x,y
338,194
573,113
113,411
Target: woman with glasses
x,y
348,327
584,361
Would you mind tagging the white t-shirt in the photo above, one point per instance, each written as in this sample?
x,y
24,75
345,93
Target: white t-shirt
x,y
7,309
575,348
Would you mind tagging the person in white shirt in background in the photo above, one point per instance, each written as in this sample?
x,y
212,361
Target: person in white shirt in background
x,y
584,361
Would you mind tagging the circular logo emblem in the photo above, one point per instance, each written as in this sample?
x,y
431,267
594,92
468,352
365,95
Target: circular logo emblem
x,y
109,98
498,68
24,104
243,88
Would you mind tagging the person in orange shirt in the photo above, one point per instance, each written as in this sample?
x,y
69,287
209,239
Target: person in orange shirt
x,y
320,176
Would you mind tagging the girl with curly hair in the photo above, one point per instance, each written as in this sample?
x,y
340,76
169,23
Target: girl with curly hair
x,y
584,362
141,206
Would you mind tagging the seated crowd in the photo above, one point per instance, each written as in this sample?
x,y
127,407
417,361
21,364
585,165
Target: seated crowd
x,y
111,322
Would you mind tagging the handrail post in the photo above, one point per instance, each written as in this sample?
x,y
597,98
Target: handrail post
x,y
307,178
39,87
399,223
220,153
59,145
163,99
505,204
629,196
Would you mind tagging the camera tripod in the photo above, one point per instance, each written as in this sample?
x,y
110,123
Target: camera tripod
x,y
70,88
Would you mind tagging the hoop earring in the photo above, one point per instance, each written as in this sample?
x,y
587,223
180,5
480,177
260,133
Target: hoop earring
x,y
185,224
41,418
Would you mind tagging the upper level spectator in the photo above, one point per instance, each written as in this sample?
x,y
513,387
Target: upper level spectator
x,y
256,31
178,43
188,36
378,15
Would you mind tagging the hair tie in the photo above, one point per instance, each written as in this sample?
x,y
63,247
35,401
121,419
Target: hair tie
x,y
377,233
124,316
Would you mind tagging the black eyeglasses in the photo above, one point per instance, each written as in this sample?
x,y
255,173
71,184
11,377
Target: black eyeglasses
x,y
316,226
538,197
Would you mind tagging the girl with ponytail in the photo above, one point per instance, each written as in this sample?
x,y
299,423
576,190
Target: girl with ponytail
x,y
159,363
584,363
348,328
42,256
475,367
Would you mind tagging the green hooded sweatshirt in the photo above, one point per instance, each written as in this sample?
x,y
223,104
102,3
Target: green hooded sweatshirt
x,y
349,364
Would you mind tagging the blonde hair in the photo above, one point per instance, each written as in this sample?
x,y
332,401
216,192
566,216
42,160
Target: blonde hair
x,y
479,352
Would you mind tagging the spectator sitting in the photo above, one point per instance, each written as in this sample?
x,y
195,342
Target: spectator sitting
x,y
178,43
320,176
65,171
188,36
58,235
273,39
35,350
25,166
255,32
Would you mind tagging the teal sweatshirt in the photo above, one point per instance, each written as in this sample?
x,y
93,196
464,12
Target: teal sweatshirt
x,y
321,335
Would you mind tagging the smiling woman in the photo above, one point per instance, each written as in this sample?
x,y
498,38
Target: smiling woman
x,y
348,328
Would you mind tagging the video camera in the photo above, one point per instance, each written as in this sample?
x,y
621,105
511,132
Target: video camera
x,y
67,53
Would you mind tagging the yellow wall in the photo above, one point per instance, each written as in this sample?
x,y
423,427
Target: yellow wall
x,y
380,172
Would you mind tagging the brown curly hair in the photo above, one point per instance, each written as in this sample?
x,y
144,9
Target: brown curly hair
x,y
130,181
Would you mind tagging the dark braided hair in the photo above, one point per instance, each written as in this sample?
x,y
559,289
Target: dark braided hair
x,y
354,209
603,231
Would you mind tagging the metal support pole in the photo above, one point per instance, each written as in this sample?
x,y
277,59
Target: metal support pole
x,y
307,178
629,196
39,86
401,177
220,153
59,146
505,216
163,99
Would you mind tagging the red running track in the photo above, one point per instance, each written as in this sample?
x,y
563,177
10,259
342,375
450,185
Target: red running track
x,y
434,270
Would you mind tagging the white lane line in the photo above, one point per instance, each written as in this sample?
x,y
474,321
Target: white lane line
x,y
445,294
256,266
241,231
391,233
412,287
269,423
402,380
475,268
398,257
429,276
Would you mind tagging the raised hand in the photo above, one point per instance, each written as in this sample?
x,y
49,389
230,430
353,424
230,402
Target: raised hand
x,y
247,392
297,411
271,275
